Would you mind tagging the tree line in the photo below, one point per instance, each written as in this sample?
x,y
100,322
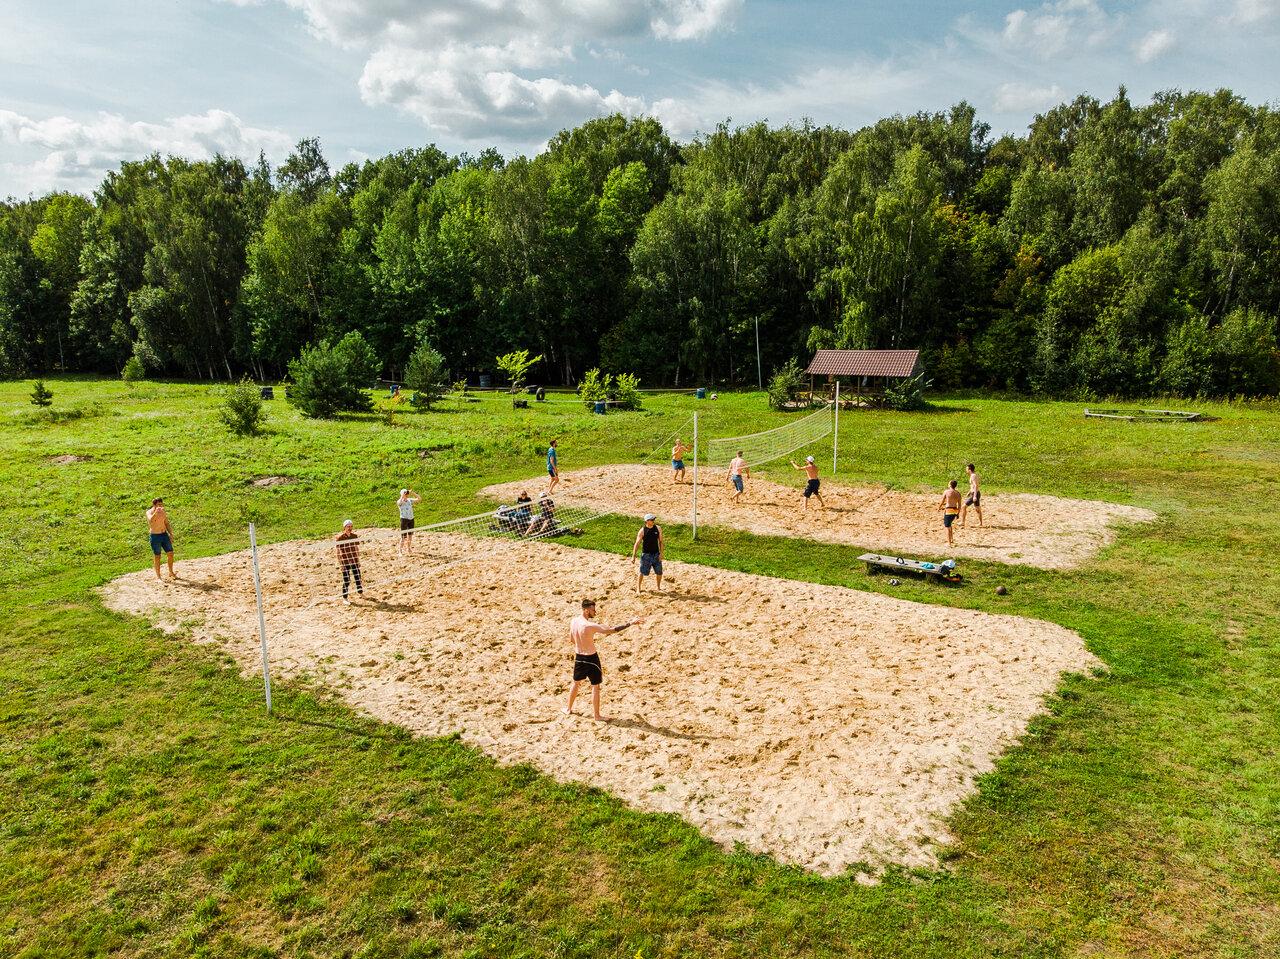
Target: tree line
x,y
1114,249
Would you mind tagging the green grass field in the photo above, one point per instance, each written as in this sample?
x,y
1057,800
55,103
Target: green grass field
x,y
150,808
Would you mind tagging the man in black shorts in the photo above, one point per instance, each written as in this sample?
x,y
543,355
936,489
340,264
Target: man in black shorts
x,y
586,660
974,498
810,488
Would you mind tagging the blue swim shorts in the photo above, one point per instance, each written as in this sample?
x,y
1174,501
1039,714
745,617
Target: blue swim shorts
x,y
650,562
161,543
737,482
677,464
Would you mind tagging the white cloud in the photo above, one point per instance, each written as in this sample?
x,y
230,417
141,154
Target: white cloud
x,y
1153,45
1245,12
69,154
1026,98
1057,27
692,19
504,70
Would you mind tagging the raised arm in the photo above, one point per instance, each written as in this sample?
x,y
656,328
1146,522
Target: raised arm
x,y
636,545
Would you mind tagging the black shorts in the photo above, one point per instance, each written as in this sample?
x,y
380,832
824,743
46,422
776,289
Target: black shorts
x,y
949,518
811,487
974,499
588,667
406,523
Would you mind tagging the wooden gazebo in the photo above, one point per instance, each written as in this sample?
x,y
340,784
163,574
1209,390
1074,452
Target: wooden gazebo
x,y
869,371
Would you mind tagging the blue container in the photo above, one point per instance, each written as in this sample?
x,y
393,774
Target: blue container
x,y
702,393
599,407
268,393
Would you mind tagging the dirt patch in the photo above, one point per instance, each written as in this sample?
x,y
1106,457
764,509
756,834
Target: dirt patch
x,y
1019,528
70,458
267,482
822,725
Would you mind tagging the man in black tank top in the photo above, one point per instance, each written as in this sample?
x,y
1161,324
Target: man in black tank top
x,y
649,543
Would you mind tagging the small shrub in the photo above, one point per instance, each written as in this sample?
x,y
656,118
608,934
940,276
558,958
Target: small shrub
x,y
907,395
425,375
626,391
133,370
331,379
241,411
785,385
40,395
517,365
459,391
594,387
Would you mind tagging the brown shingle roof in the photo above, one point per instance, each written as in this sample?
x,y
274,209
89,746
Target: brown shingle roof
x,y
900,363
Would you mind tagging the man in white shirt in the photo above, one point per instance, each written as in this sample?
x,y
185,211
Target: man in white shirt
x,y
407,498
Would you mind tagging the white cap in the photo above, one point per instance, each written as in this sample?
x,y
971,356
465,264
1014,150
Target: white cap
x,y
347,522
405,492
649,516
808,459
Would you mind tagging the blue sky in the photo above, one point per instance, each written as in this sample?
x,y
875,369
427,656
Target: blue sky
x,y
88,84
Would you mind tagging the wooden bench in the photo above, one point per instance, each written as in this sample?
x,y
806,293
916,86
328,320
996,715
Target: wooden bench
x,y
933,572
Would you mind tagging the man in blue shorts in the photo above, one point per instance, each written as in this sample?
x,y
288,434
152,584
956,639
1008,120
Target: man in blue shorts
x,y
161,535
737,470
677,461
553,467
651,546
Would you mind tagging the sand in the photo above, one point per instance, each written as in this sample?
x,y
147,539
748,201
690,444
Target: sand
x,y
848,739
1048,532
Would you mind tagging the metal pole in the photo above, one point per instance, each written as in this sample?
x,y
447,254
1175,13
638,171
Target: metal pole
x,y
835,434
759,373
262,619
695,476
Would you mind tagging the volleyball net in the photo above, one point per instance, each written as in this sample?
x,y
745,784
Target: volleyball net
x,y
772,444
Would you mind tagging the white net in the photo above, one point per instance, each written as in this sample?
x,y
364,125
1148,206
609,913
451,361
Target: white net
x,y
771,444
376,564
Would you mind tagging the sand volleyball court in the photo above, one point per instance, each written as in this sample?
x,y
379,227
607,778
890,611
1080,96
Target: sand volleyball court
x,y
818,724
1021,528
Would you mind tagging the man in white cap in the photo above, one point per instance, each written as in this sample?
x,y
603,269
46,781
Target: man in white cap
x,y
649,543
811,487
407,498
349,559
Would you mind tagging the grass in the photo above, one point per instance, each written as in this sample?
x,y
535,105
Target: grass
x,y
152,809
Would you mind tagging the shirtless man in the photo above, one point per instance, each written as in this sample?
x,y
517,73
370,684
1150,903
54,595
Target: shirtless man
x,y
974,498
677,461
811,487
161,536
950,507
738,469
586,661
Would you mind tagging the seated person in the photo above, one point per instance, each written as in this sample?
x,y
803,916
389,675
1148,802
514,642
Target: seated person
x,y
544,524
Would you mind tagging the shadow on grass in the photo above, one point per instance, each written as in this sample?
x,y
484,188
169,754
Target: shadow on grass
x,y
364,732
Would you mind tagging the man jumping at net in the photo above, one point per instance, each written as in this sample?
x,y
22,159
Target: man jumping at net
x,y
586,661
348,545
677,461
738,471
811,487
161,536
649,542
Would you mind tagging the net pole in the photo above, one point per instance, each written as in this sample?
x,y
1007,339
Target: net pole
x,y
262,618
835,432
695,476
